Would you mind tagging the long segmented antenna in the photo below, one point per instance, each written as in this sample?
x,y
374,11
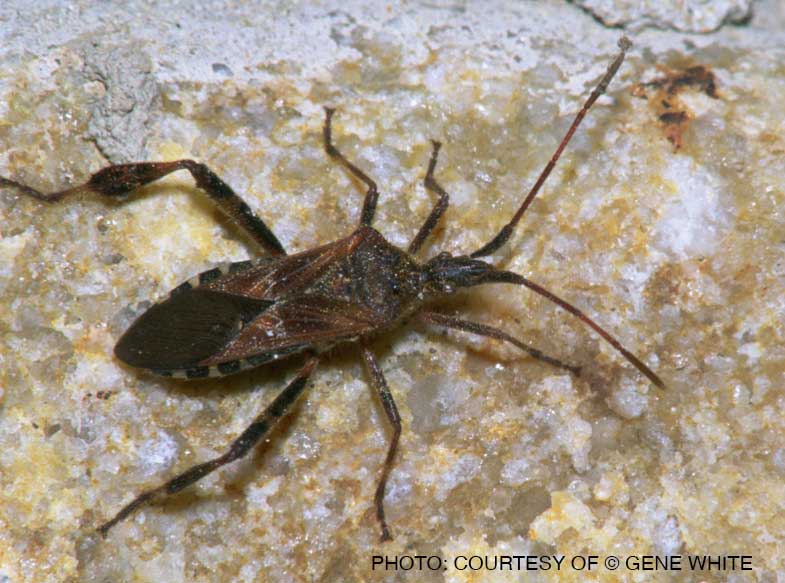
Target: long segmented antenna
x,y
510,277
504,234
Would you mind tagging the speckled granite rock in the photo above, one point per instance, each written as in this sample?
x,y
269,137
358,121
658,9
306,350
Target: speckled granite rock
x,y
683,15
664,220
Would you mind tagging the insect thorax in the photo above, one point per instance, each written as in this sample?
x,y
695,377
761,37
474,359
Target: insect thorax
x,y
375,274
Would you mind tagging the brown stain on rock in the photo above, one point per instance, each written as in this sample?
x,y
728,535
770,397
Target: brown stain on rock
x,y
663,95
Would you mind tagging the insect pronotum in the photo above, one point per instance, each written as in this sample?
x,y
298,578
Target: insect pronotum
x,y
250,313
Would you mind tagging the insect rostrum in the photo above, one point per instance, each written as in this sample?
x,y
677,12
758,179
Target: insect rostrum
x,y
253,312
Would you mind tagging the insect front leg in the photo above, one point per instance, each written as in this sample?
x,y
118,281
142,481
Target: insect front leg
x,y
258,429
491,332
380,385
438,208
372,194
122,179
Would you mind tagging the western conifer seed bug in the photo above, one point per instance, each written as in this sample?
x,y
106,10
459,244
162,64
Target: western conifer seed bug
x,y
250,313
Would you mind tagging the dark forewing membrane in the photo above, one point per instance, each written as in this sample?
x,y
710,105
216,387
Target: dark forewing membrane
x,y
280,277
185,329
313,321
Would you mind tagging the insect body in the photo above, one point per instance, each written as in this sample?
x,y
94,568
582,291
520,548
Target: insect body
x,y
254,312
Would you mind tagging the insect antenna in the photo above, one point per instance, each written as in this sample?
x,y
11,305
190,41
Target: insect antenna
x,y
510,277
504,234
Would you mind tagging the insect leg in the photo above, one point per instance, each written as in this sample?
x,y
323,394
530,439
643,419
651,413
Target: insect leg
x,y
260,427
121,179
372,194
380,384
504,234
491,332
438,208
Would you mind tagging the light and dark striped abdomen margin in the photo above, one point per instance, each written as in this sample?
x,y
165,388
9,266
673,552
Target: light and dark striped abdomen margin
x,y
225,368
228,368
211,275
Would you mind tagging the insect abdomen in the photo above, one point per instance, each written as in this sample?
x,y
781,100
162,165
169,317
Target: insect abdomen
x,y
226,368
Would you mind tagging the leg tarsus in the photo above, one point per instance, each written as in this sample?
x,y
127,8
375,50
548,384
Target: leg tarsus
x,y
380,385
372,194
260,427
441,204
37,194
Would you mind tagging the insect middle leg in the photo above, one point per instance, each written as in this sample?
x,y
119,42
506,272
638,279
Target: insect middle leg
x,y
438,209
380,385
121,179
259,428
372,194
491,332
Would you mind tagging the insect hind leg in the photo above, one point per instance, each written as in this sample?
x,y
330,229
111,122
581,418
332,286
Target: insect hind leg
x,y
119,180
257,430
372,194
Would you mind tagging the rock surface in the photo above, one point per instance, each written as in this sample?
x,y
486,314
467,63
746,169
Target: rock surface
x,y
663,220
682,15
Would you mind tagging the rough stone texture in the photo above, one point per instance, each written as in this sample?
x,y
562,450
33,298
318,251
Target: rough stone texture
x,y
683,15
676,248
126,94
